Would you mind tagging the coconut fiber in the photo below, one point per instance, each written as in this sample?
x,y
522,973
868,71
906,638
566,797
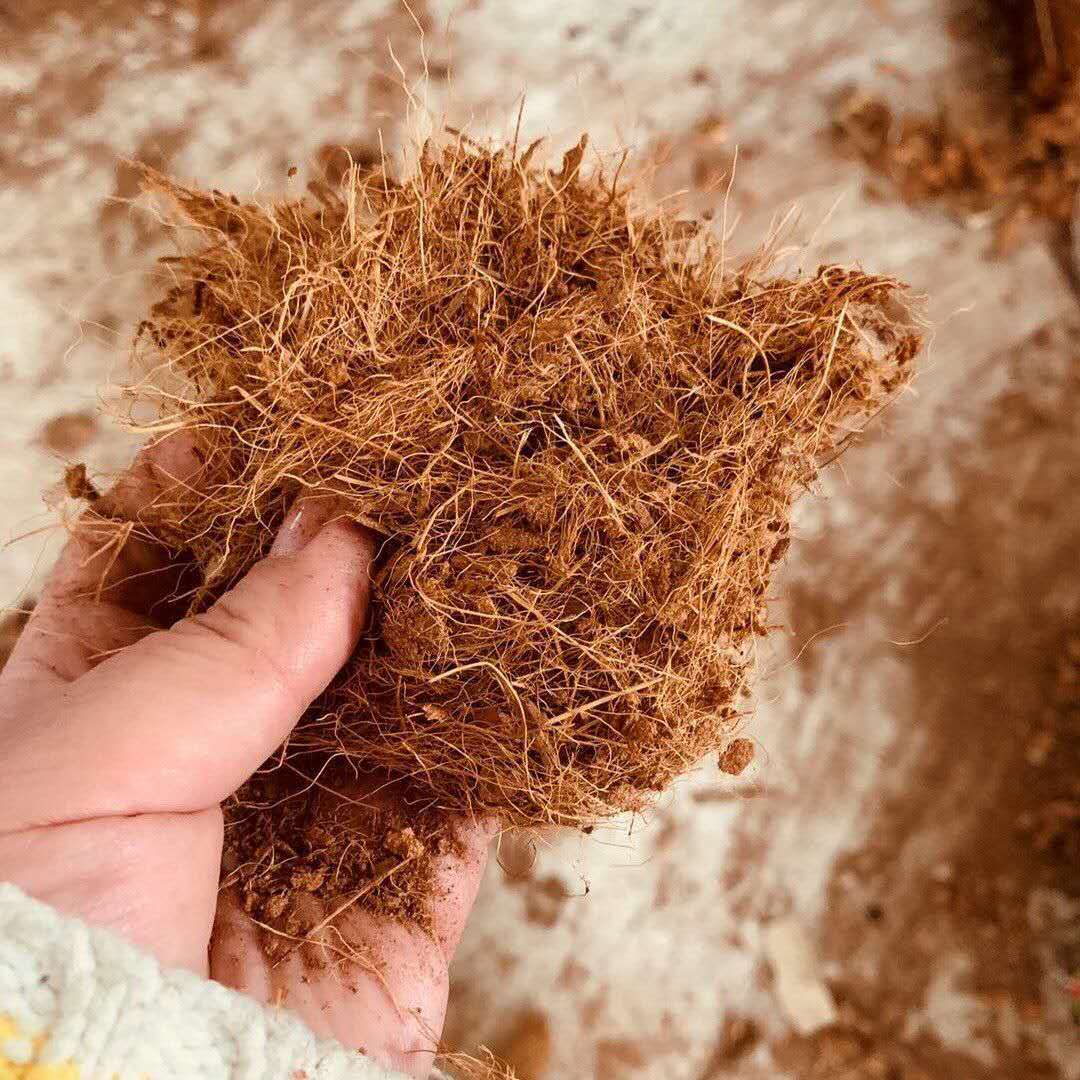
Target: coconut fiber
x,y
575,431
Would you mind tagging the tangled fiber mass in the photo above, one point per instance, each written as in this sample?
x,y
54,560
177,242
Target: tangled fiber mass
x,y
575,429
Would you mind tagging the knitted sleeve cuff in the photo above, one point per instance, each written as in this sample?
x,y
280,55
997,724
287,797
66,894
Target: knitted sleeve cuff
x,y
78,1003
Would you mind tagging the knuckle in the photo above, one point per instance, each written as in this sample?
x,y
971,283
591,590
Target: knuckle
x,y
248,643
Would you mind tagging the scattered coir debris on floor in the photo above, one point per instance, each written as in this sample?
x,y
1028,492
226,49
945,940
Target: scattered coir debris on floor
x,y
737,756
577,433
1020,163
948,960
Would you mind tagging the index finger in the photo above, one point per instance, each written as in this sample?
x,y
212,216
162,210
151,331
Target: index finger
x,y
110,582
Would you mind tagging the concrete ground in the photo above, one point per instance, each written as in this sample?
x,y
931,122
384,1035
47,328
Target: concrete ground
x,y
892,891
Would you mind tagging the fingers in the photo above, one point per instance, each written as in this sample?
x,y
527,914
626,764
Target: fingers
x,y
180,719
107,587
302,524
390,1001
345,989
457,881
156,475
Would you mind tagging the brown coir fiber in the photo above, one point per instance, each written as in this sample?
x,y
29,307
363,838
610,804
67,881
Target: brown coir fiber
x,y
575,431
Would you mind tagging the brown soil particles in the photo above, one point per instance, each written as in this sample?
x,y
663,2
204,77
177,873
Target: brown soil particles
x,y
288,843
576,430
1022,171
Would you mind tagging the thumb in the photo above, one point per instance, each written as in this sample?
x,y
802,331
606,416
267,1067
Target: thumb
x,y
177,721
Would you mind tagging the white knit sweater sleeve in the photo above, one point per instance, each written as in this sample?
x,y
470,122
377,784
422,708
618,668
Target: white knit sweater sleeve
x,y
78,1003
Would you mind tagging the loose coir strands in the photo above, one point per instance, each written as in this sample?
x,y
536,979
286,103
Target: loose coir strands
x,y
577,435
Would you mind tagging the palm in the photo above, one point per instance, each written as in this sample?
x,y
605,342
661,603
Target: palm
x,y
111,784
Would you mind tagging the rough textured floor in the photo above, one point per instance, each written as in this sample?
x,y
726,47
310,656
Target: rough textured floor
x,y
888,893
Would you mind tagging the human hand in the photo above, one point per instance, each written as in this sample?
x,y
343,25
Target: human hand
x,y
119,739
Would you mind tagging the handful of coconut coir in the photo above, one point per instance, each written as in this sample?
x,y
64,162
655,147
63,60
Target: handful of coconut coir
x,y
576,434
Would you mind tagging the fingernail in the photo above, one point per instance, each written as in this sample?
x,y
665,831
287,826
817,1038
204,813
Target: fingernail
x,y
302,523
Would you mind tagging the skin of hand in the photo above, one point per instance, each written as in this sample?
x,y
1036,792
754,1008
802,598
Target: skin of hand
x,y
119,738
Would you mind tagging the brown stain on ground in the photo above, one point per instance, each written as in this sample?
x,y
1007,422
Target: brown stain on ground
x,y
77,87
626,1057
543,897
990,810
544,900
69,432
525,1044
738,1036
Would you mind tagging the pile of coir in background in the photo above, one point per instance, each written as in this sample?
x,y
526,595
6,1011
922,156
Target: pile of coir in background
x,y
1022,171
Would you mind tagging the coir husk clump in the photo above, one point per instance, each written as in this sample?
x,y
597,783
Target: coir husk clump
x,y
576,433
